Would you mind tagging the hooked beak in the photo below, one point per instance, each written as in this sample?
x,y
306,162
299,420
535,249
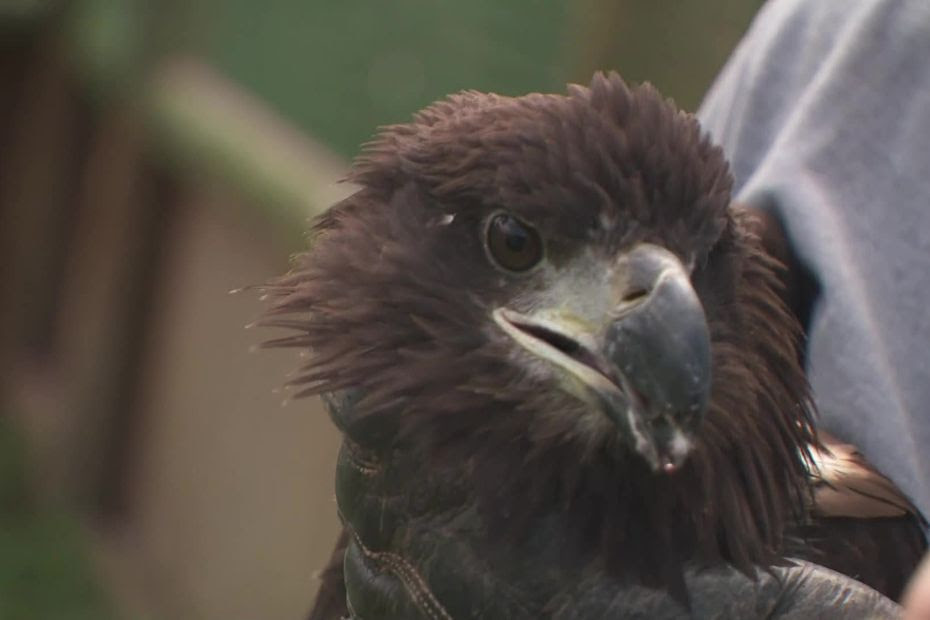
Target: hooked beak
x,y
646,363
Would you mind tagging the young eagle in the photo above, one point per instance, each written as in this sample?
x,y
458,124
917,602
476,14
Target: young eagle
x,y
563,371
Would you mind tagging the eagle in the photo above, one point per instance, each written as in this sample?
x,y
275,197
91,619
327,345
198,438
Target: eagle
x,y
568,376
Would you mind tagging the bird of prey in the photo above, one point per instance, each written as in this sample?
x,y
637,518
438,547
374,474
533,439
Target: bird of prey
x,y
567,380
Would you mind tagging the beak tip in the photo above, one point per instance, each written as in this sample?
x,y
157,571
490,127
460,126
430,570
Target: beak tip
x,y
667,448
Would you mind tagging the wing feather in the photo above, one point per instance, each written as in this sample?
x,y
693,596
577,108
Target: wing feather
x,y
847,485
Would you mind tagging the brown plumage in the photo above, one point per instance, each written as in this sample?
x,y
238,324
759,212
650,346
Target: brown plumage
x,y
860,523
398,294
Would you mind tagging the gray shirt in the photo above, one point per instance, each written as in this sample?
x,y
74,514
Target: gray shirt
x,y
824,111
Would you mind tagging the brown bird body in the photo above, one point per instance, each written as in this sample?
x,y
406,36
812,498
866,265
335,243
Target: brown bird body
x,y
504,294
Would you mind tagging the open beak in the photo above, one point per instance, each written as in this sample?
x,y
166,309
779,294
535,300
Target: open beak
x,y
646,363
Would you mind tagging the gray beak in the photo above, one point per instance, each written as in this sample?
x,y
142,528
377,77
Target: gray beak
x,y
645,361
659,343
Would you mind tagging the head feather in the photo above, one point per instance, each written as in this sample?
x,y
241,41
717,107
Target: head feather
x,y
394,295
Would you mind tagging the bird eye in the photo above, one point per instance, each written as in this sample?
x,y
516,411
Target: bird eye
x,y
512,244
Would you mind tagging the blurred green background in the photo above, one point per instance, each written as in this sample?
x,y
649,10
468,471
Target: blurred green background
x,y
155,155
338,69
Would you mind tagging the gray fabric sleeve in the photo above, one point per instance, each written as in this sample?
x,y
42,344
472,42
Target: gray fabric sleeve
x,y
824,111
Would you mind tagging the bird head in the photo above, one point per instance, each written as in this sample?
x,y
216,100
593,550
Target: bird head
x,y
553,285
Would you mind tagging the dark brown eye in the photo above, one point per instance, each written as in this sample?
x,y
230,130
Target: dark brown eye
x,y
512,244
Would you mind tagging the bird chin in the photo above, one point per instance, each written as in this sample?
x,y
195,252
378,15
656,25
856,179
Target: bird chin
x,y
657,438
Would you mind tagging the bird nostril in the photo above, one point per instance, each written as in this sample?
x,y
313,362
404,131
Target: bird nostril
x,y
634,295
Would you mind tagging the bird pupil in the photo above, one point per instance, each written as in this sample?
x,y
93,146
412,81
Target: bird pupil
x,y
516,237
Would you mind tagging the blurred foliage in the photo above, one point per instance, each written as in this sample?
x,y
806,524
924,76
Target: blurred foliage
x,y
339,68
110,41
18,11
678,46
45,573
